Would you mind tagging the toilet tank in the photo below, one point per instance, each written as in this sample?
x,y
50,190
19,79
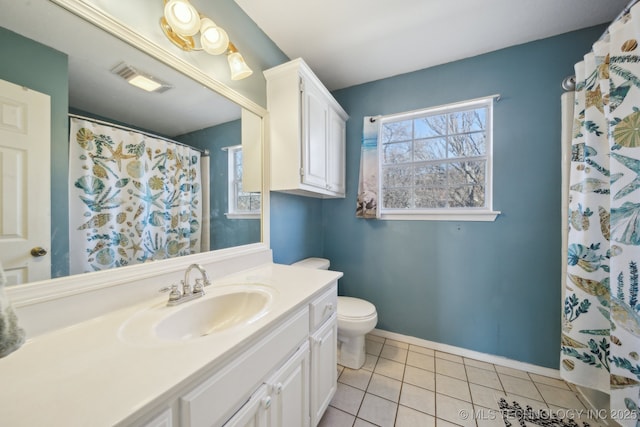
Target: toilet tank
x,y
317,263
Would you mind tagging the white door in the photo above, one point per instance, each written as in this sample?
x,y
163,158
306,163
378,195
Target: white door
x,y
25,210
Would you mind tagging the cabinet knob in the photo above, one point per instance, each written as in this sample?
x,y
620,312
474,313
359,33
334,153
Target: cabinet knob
x,y
279,388
330,307
266,402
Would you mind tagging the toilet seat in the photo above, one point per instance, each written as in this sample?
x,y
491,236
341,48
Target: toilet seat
x,y
355,317
350,308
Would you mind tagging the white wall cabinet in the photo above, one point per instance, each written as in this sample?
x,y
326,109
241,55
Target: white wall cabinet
x,y
337,147
307,133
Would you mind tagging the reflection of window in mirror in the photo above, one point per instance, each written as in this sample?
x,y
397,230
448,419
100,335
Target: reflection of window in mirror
x,y
242,204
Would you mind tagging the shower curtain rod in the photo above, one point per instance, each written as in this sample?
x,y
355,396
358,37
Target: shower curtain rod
x,y
204,152
569,82
621,15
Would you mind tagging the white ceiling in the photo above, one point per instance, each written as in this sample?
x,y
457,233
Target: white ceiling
x,y
345,43
348,42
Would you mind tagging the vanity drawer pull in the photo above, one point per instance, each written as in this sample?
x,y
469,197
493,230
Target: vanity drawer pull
x,y
323,307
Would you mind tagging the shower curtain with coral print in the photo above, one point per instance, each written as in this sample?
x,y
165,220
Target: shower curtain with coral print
x,y
601,327
132,198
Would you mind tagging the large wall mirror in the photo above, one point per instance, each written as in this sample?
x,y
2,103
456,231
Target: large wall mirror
x,y
196,110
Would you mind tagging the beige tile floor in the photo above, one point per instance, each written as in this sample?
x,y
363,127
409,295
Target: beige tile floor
x,y
406,385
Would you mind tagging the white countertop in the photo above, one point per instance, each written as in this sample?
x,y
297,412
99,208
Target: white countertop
x,y
87,375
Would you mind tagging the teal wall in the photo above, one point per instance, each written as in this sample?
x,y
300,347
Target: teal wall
x,y
224,232
297,227
45,70
492,287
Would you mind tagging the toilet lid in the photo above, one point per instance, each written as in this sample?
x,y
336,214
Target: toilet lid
x,y
349,307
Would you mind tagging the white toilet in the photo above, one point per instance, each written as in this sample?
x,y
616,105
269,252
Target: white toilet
x,y
356,318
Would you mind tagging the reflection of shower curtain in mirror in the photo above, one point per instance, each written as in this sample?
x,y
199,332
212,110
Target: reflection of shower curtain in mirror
x,y
132,198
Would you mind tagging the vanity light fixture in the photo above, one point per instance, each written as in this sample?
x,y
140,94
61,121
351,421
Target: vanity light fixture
x,y
239,68
181,22
140,80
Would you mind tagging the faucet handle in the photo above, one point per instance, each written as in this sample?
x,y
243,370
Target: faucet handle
x,y
174,293
198,288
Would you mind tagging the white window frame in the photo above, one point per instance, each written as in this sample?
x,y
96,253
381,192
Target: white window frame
x,y
232,180
485,213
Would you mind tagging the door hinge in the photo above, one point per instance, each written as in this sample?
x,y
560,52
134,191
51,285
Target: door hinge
x,y
301,85
301,171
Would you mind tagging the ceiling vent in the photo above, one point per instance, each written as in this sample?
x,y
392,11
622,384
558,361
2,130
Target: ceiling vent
x,y
139,79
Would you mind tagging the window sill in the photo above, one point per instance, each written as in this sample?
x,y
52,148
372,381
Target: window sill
x,y
485,216
242,215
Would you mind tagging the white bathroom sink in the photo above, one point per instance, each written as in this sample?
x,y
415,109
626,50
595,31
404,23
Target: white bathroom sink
x,y
221,310
206,316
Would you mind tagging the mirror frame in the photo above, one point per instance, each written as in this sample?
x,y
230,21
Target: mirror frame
x,y
47,290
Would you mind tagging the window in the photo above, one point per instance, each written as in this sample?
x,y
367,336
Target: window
x,y
242,205
436,163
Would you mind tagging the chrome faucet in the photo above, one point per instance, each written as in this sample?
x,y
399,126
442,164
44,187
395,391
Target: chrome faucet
x,y
198,288
188,293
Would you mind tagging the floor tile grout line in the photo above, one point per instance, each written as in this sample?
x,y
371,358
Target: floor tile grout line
x,y
404,371
469,388
486,366
365,391
538,390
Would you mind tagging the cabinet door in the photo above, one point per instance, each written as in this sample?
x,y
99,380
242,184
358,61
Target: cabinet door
x,y
165,419
314,136
323,368
290,391
254,413
336,153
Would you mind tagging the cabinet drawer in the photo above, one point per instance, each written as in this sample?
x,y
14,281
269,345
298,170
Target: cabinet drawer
x,y
323,307
215,400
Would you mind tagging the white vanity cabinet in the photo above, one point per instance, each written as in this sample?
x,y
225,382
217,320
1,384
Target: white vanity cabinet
x,y
165,419
286,379
277,369
323,343
215,401
283,400
307,129
254,413
290,391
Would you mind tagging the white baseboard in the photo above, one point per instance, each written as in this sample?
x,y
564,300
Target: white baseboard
x,y
459,351
597,401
